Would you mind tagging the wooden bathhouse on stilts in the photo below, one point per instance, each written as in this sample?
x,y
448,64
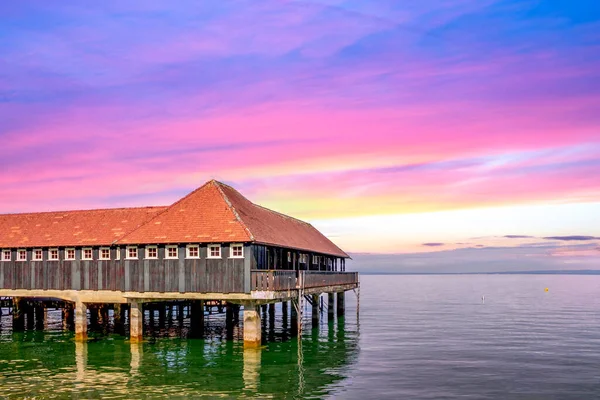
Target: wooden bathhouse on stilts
x,y
212,245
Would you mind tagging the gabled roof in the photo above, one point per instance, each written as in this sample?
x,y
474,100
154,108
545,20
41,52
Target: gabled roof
x,y
213,213
71,228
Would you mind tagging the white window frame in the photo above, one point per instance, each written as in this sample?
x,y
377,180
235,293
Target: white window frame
x,y
50,258
67,258
137,253
83,257
231,246
33,255
118,253
147,253
289,256
187,251
169,247
100,256
211,246
19,255
3,254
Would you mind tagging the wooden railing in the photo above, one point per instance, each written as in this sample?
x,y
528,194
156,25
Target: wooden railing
x,y
272,280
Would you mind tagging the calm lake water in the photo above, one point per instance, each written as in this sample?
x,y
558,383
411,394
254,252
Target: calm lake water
x,y
418,337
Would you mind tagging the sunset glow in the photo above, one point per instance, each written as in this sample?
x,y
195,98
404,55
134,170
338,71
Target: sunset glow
x,y
387,125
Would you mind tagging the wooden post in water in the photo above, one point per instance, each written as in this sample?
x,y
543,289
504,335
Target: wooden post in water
x,y
18,314
68,315
80,322
252,325
341,307
39,316
197,318
330,306
136,322
315,309
229,320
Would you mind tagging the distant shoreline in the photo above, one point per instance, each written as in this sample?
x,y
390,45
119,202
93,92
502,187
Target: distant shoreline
x,y
546,272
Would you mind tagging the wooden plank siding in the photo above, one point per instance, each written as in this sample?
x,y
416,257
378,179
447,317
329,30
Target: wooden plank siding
x,y
201,275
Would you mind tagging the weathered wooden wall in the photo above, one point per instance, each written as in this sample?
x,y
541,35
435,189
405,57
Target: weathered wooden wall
x,y
222,275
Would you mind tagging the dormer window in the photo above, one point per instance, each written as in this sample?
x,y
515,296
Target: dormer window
x,y
214,251
132,253
53,255
6,255
151,252
69,254
87,254
37,255
171,252
236,251
193,251
21,255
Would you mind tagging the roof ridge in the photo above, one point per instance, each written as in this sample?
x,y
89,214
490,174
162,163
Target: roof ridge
x,y
266,208
167,208
232,208
79,211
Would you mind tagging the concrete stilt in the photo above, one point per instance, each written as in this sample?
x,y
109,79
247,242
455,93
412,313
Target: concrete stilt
x,y
197,318
18,314
80,322
136,322
315,309
330,306
252,328
341,304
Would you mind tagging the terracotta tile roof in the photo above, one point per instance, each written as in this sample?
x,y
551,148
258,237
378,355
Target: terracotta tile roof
x,y
71,228
270,227
201,216
213,213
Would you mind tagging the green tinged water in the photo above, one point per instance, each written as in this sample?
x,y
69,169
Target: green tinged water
x,y
49,364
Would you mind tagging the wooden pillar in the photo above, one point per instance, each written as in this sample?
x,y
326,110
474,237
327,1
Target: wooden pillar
x,y
330,306
29,312
197,318
315,309
68,315
252,325
18,308
40,314
341,307
80,322
293,320
229,320
136,322
118,318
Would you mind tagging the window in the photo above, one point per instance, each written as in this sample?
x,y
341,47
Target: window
x,y
214,251
21,255
289,256
53,254
87,254
6,255
171,252
105,253
132,253
236,251
151,252
316,259
118,253
193,251
303,258
69,254
37,255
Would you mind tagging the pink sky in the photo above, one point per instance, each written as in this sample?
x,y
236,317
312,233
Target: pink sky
x,y
331,112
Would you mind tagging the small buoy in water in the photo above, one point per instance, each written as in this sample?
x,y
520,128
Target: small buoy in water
x,y
545,290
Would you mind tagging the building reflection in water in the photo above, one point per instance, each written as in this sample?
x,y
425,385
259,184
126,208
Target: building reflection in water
x,y
316,365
